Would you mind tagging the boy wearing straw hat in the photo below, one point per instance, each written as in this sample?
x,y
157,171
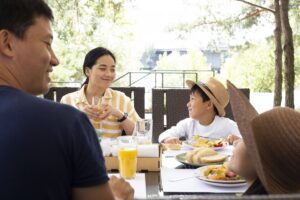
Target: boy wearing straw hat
x,y
206,110
268,155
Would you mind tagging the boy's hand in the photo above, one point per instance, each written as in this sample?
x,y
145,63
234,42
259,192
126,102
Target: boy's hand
x,y
231,138
172,140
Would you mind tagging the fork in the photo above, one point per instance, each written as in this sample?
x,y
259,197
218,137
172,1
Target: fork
x,y
180,179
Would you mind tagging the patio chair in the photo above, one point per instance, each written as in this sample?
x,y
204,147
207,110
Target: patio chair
x,y
168,105
137,95
56,93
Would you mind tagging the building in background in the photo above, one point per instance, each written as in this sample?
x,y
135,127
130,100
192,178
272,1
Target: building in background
x,y
214,58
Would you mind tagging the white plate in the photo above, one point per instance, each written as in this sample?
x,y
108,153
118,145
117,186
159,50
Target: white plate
x,y
186,145
199,173
181,158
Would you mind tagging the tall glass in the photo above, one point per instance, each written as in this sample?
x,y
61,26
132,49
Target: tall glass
x,y
97,107
127,155
143,131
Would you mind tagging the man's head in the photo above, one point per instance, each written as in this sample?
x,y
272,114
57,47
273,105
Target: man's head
x,y
26,55
207,97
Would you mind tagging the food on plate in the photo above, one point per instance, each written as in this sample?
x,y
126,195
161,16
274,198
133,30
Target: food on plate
x,y
199,141
214,158
204,155
220,172
172,146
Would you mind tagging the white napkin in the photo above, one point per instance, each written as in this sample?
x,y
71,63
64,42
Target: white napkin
x,y
144,150
148,150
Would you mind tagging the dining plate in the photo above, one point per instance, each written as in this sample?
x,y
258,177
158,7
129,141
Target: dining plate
x,y
188,145
181,158
199,173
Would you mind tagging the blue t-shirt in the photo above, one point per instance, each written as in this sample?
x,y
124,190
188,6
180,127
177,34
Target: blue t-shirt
x,y
46,148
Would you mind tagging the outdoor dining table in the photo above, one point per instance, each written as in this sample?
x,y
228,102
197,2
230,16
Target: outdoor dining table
x,y
158,184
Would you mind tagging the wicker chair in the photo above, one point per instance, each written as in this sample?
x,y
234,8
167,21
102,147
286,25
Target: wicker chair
x,y
171,103
137,94
56,93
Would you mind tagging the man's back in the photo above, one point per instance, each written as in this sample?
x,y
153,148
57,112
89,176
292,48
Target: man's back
x,y
46,149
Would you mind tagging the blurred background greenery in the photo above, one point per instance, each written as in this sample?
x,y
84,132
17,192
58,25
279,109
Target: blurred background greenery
x,y
133,29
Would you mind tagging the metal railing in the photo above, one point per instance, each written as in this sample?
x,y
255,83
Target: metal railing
x,y
162,73
136,77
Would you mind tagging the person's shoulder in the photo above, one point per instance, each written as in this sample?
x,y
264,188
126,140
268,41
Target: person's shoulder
x,y
187,121
118,93
224,120
49,107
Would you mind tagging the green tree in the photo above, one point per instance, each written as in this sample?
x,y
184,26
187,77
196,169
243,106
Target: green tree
x,y
82,25
252,67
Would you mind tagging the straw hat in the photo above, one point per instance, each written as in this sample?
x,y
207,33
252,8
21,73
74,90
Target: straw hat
x,y
272,139
216,92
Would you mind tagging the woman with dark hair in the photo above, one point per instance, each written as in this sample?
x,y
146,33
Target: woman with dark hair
x,y
117,112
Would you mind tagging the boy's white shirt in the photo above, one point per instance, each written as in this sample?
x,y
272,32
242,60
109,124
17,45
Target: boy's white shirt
x,y
221,127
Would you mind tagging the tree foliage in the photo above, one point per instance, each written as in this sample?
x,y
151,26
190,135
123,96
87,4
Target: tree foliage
x,y
81,25
253,67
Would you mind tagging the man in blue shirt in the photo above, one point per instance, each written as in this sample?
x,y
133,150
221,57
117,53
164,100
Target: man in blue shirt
x,y
47,150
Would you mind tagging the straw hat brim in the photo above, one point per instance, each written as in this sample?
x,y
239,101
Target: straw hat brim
x,y
243,113
270,143
277,136
221,110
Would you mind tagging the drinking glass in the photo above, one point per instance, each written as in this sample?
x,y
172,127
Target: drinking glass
x,y
127,155
96,106
143,131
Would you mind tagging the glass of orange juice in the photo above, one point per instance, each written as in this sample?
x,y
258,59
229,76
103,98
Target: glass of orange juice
x,y
127,155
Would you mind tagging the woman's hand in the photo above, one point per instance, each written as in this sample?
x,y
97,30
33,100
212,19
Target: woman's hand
x,y
91,113
109,110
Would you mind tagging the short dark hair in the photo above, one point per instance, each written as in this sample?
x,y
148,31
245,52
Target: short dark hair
x,y
197,89
91,58
204,96
17,15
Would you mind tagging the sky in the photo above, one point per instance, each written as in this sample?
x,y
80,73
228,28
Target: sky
x,y
154,16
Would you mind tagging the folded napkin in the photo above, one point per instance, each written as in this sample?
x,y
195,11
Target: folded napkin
x,y
148,150
144,150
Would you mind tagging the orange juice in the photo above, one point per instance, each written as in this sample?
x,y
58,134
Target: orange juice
x,y
127,162
99,110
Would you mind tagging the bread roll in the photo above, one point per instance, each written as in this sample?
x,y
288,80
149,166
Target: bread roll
x,y
195,158
213,158
189,156
206,152
204,155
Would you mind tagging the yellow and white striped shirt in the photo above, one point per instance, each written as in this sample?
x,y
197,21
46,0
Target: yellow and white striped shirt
x,y
110,126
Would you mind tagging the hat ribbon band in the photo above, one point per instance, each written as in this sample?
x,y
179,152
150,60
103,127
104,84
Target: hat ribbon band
x,y
205,86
